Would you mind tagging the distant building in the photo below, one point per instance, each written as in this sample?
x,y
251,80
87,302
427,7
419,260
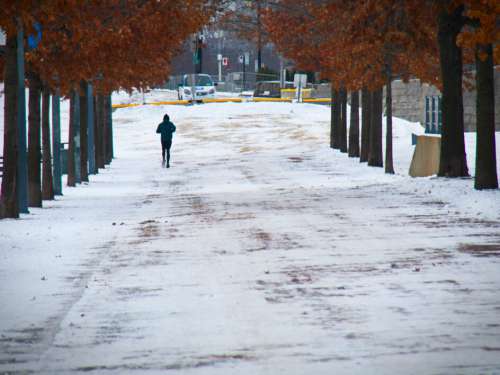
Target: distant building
x,y
230,47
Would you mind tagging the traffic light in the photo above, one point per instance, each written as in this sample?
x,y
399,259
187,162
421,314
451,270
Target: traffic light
x,y
198,44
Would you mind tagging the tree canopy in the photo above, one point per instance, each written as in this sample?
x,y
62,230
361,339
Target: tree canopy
x,y
113,43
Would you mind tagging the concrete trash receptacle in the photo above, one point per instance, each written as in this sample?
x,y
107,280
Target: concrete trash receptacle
x,y
425,161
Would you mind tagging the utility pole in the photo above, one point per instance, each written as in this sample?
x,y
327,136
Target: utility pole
x,y
198,54
282,74
259,37
219,63
219,35
244,73
195,54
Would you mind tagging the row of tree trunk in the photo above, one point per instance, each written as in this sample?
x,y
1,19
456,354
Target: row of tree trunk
x,y
40,178
9,204
41,183
78,153
371,126
486,161
453,162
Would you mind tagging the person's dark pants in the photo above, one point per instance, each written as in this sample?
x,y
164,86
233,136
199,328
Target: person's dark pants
x,y
165,145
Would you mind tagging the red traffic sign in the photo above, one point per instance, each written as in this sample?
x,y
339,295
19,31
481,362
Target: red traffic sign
x,y
225,61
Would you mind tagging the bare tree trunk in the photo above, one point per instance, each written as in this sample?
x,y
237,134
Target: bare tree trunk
x,y
336,119
9,207
109,128
453,161
76,140
101,124
259,36
34,149
332,117
343,120
110,121
56,143
389,166
366,106
375,155
90,129
47,181
84,157
486,159
354,125
107,133
97,135
71,143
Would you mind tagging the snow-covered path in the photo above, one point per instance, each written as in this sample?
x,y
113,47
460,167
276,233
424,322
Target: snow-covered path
x,y
261,251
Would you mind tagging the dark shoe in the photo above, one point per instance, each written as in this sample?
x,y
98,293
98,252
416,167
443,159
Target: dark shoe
x,y
168,165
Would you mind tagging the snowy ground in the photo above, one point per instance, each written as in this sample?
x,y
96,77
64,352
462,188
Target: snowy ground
x,y
138,97
261,251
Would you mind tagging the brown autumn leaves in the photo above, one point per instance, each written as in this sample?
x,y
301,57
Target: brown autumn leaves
x,y
112,43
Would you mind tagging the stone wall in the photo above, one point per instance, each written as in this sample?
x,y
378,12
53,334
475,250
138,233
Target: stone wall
x,y
409,102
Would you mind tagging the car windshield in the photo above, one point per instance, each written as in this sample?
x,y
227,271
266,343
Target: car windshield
x,y
201,80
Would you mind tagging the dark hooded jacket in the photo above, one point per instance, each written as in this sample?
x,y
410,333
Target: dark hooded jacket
x,y
166,129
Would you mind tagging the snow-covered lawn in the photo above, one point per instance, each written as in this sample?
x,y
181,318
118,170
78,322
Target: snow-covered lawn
x,y
261,251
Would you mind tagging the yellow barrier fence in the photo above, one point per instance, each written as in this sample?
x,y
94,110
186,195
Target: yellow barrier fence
x,y
317,100
170,102
224,100
125,105
285,100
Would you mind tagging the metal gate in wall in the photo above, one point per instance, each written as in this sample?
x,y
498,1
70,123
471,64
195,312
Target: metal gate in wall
x,y
433,117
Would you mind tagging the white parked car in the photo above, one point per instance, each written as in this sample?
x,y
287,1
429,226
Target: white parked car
x,y
204,86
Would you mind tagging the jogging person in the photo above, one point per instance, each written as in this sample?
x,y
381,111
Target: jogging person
x,y
166,129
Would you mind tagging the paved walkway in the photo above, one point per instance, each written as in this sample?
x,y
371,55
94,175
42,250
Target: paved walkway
x,y
252,256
